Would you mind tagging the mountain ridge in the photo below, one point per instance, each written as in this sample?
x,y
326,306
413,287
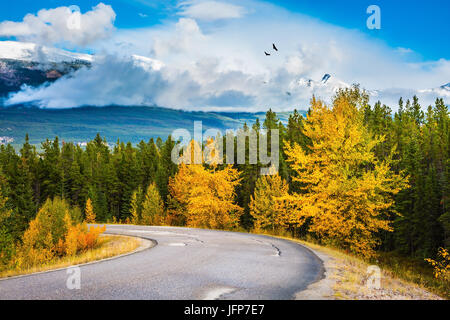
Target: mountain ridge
x,y
129,123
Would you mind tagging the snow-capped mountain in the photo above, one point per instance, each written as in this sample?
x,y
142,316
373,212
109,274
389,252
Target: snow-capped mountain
x,y
24,63
443,91
31,52
327,83
29,64
147,63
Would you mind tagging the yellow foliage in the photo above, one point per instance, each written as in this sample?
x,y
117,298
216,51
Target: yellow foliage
x,y
268,212
205,198
442,265
152,207
211,155
193,153
36,248
72,240
345,190
89,212
80,238
49,236
134,210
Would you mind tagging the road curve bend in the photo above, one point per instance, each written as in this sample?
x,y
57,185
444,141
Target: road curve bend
x,y
185,264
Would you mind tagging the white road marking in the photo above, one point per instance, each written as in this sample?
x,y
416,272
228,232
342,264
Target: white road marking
x,y
143,231
176,244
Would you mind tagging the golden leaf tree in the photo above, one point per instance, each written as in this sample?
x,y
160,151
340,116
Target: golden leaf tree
x,y
55,231
135,207
89,212
203,197
346,190
268,212
152,211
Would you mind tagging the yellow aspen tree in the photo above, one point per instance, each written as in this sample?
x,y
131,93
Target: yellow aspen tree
x,y
53,232
211,202
268,213
441,265
152,206
205,198
346,191
211,155
192,154
89,212
178,197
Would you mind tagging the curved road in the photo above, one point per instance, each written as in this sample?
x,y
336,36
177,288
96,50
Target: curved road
x,y
185,264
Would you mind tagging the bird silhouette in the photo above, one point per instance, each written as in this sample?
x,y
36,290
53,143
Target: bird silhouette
x,y
267,54
274,47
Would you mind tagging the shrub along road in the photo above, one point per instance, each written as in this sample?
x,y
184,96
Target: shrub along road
x,y
185,264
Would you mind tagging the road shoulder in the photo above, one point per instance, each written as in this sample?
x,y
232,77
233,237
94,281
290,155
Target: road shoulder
x,y
349,278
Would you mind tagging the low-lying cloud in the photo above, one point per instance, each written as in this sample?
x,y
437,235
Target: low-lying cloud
x,y
63,25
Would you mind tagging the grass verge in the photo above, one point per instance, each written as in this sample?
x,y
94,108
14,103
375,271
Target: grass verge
x,y
107,247
400,279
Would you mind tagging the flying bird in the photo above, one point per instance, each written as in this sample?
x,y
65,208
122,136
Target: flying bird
x,y
267,54
274,47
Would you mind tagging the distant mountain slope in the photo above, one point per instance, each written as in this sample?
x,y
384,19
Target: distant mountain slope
x,y
27,63
113,122
26,51
15,73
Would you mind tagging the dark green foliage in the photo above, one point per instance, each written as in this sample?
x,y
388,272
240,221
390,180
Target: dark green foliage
x,y
6,224
422,144
166,168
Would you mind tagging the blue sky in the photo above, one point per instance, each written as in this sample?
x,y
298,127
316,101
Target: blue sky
x,y
209,54
418,25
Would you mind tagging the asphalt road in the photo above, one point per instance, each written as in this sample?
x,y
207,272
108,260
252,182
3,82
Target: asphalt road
x,y
185,264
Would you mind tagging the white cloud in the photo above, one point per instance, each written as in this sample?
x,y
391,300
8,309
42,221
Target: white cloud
x,y
210,10
109,81
210,66
63,25
141,81
402,50
180,40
